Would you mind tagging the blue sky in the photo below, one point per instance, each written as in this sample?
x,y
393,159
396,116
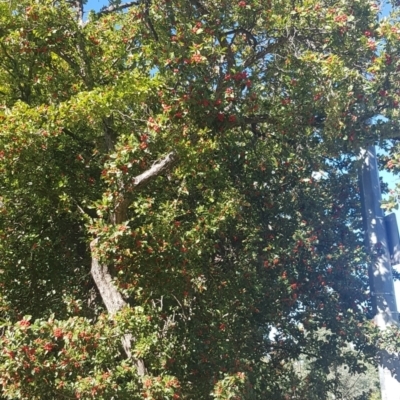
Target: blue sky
x,y
95,4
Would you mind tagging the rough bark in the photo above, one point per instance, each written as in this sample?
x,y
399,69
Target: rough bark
x,y
102,277
114,302
155,170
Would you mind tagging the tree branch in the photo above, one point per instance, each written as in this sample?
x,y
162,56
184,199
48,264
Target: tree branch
x,y
249,36
156,169
102,277
123,6
119,214
149,23
112,298
113,301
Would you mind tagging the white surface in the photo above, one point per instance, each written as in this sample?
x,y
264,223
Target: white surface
x,y
392,181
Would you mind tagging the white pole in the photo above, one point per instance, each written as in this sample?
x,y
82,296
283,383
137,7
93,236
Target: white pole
x,y
380,271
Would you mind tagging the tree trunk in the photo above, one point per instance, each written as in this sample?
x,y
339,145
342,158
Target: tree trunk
x,y
102,277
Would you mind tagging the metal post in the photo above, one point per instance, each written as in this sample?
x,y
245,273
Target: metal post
x,y
380,271
392,232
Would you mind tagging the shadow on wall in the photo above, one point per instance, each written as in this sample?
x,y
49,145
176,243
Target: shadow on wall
x,y
392,363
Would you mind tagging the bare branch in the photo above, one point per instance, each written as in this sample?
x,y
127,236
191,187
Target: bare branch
x,y
123,6
119,214
155,170
249,36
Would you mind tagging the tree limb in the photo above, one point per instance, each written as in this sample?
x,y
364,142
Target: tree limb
x,y
251,39
156,169
148,20
120,210
112,298
102,277
123,6
113,301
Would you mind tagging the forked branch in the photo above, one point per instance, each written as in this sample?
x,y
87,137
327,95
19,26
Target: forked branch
x,y
112,298
165,163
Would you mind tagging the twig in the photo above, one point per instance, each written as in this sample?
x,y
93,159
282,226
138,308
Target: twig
x,y
183,310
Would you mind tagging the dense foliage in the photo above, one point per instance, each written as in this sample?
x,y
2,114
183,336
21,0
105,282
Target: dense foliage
x,y
201,157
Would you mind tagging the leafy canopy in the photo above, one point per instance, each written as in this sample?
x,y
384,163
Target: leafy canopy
x,y
201,158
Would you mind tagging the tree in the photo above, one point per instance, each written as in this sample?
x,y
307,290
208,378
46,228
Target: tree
x,y
178,182
342,382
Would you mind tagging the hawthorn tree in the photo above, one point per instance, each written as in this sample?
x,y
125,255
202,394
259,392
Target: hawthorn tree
x,y
179,201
